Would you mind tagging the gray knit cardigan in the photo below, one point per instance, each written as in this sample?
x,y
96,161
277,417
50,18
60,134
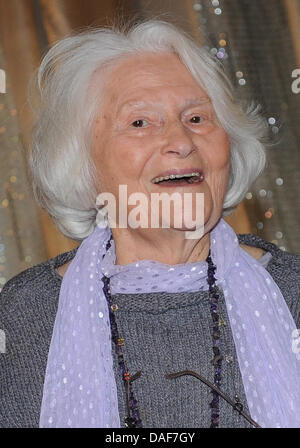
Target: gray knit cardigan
x,y
163,333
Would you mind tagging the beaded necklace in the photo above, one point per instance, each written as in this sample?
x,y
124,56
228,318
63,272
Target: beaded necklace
x,y
218,323
133,419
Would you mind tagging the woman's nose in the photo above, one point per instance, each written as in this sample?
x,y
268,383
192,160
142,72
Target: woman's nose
x,y
178,142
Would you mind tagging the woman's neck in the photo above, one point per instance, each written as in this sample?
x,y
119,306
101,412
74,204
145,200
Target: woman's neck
x,y
166,246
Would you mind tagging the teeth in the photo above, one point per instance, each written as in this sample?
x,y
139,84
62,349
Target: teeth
x,y
176,176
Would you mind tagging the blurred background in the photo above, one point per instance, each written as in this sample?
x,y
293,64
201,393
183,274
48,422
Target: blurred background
x,y
258,41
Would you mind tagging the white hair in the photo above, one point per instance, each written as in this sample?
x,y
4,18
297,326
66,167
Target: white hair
x,y
64,177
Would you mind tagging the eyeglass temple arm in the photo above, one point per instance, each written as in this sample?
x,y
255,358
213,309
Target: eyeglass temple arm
x,y
217,390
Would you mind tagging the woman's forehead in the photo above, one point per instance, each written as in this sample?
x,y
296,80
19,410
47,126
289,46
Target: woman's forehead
x,y
140,79
153,68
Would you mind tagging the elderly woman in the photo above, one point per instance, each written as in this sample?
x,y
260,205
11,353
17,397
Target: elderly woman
x,y
146,326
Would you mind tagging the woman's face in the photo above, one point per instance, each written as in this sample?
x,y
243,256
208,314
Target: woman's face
x,y
155,120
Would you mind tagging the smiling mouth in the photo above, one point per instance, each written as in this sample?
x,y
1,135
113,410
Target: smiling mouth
x,y
193,177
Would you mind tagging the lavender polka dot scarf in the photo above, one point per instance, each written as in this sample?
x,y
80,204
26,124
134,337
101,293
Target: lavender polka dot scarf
x,y
80,388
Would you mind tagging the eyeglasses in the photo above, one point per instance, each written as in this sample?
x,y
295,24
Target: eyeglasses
x,y
236,405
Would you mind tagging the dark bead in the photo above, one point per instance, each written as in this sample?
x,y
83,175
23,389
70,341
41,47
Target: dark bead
x,y
214,405
132,402
130,422
216,359
216,351
135,414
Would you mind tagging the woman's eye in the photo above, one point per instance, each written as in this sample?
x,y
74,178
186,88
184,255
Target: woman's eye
x,y
139,123
196,119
